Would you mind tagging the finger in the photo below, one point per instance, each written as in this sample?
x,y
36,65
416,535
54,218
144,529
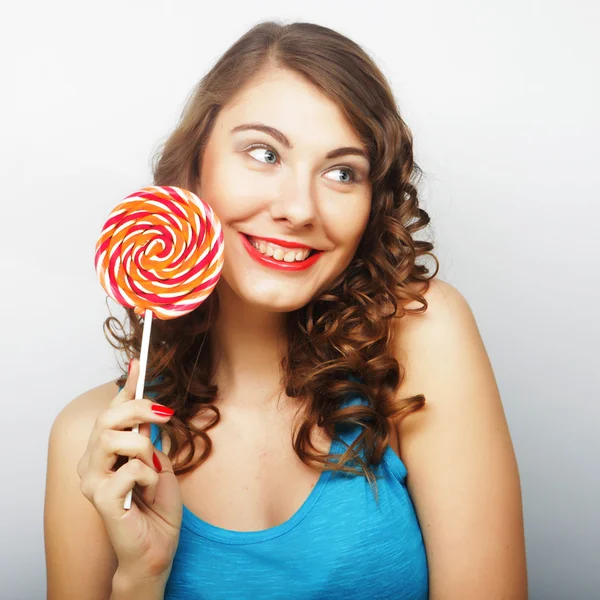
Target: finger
x,y
109,497
148,493
166,466
133,413
114,444
162,464
145,495
128,391
145,430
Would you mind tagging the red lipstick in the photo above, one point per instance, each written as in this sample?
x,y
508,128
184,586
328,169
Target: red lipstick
x,y
283,243
269,261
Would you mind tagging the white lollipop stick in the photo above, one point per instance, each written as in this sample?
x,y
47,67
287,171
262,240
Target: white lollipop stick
x,y
139,390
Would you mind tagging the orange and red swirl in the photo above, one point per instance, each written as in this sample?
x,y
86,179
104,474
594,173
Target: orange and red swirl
x,y
160,249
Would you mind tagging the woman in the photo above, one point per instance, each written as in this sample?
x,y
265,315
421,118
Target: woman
x,y
355,355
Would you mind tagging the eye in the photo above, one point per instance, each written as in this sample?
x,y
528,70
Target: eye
x,y
349,174
266,151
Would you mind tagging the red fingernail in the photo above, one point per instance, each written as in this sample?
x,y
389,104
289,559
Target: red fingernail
x,y
162,411
156,462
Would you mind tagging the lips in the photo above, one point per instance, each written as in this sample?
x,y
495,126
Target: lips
x,y
280,264
282,243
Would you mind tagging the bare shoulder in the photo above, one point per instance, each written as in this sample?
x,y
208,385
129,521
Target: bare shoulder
x,y
425,341
89,404
441,297
447,323
80,560
462,470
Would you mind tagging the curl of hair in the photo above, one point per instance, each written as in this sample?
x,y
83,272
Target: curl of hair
x,y
349,329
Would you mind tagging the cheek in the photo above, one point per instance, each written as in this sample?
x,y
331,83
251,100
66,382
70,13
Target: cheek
x,y
347,226
233,190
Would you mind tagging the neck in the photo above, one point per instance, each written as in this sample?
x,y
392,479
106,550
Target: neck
x,y
248,344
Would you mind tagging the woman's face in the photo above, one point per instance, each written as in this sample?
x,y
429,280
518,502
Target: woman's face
x,y
282,185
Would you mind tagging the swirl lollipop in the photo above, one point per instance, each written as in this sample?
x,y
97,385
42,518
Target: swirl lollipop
x,y
161,253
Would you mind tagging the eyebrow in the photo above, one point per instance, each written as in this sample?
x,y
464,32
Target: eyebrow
x,y
275,133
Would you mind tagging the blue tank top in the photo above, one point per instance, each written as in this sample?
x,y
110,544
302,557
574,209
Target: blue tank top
x,y
340,544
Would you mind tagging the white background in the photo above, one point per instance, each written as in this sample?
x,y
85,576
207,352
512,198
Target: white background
x,y
502,98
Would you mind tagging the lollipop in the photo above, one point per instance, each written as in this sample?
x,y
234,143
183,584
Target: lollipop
x,y
161,253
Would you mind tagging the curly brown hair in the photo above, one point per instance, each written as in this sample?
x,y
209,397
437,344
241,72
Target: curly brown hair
x,y
339,345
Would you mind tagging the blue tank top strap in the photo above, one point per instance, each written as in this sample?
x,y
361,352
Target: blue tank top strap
x,y
349,432
155,436
155,429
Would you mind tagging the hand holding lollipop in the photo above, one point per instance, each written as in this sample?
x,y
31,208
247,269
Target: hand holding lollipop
x,y
160,253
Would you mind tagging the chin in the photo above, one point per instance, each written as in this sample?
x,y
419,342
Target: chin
x,y
270,294
277,301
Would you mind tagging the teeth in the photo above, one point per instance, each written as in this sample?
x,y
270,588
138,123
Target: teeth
x,y
279,253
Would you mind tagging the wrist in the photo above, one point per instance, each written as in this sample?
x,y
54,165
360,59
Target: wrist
x,y
129,587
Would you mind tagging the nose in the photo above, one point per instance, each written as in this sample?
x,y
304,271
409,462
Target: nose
x,y
296,202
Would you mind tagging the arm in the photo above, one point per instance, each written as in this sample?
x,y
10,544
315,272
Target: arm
x,y
80,561
462,471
